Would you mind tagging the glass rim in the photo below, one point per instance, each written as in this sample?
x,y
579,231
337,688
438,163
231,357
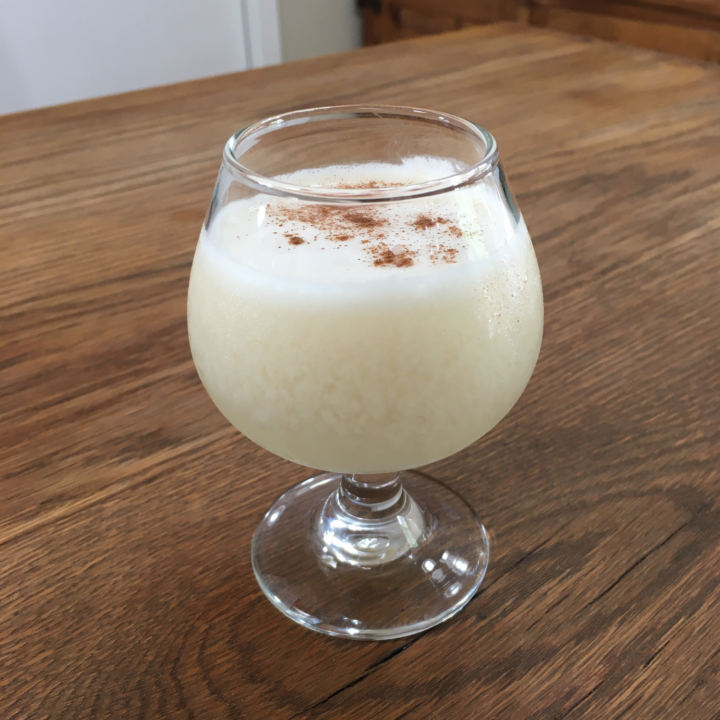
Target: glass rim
x,y
249,135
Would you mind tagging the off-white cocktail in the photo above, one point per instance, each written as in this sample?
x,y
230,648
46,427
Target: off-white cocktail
x,y
365,339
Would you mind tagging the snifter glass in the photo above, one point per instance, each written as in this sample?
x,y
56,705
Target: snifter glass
x,y
364,300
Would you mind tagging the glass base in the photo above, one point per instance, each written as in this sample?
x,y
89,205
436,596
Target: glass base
x,y
343,566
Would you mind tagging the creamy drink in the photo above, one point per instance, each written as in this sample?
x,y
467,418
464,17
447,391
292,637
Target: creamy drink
x,y
366,338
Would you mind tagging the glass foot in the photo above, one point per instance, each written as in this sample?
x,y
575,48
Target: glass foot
x,y
370,561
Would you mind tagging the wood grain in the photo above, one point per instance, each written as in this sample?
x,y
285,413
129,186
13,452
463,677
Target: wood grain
x,y
127,504
634,25
678,13
388,21
685,27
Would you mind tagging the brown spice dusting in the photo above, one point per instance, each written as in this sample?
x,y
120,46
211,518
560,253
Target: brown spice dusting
x,y
366,185
332,220
423,222
363,219
384,256
341,224
445,254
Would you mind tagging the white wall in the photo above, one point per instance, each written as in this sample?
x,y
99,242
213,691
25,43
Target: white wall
x,y
56,51
318,27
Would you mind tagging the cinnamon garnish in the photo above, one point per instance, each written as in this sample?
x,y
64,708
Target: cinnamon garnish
x,y
398,256
423,222
340,224
370,185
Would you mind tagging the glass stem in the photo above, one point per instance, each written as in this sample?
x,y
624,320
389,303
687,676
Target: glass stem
x,y
371,496
369,520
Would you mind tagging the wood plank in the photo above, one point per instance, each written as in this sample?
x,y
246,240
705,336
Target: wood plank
x,y
699,43
677,14
401,19
479,11
684,27
128,503
392,24
698,7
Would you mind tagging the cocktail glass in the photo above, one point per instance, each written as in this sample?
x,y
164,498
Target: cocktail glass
x,y
364,300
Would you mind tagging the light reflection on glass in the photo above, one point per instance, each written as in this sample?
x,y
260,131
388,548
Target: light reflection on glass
x,y
458,564
453,590
276,514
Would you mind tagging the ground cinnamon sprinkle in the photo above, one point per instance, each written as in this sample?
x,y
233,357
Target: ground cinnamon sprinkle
x,y
328,218
340,224
363,219
444,253
398,256
423,222
404,261
367,185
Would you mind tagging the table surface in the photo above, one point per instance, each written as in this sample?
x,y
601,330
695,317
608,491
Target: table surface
x,y
127,503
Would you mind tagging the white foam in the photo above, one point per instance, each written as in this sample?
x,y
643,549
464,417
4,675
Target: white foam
x,y
273,234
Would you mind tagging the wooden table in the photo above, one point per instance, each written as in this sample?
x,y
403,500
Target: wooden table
x,y
128,503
